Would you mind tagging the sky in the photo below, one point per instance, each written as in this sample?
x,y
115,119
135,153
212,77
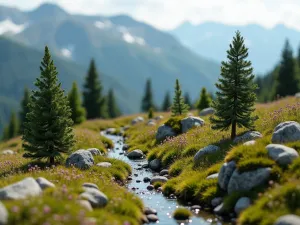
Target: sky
x,y
167,14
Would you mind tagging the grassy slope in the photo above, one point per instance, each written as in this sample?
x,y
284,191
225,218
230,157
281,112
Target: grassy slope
x,y
58,205
189,181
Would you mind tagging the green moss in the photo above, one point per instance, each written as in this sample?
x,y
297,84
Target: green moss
x,y
177,167
175,123
252,164
157,184
182,214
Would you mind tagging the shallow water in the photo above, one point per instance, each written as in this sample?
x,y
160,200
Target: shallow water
x,y
164,206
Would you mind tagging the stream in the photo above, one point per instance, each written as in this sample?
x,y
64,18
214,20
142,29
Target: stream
x,y
153,199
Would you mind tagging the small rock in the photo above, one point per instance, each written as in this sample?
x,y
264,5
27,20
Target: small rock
x,y
164,172
8,152
283,155
163,132
210,149
288,131
137,120
220,209
111,130
297,95
216,201
44,183
145,166
138,181
152,218
81,159
135,154
248,143
248,136
160,117
3,214
129,178
225,174
151,123
207,111
125,147
155,164
90,185
85,204
213,176
144,219
195,207
150,187
148,211
95,197
159,189
146,179
104,164
94,151
27,187
242,204
288,220
158,179
190,122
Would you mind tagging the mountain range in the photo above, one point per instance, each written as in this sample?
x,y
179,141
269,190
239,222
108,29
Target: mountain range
x,y
211,39
127,52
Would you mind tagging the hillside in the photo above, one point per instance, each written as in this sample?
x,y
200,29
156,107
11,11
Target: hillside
x,y
213,39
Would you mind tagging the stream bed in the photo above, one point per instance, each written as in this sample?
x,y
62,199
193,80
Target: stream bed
x,y
153,199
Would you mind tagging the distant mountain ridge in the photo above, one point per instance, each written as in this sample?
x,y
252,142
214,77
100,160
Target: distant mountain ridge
x,y
212,40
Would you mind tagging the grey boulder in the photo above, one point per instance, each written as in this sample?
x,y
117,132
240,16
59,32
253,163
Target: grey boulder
x,y
135,154
90,185
216,201
247,180
7,152
111,130
283,155
81,159
44,183
288,220
3,214
190,122
137,120
225,174
164,172
220,209
288,131
104,164
248,136
163,132
27,187
95,197
161,179
248,143
212,176
155,164
210,149
94,151
242,204
85,204
207,111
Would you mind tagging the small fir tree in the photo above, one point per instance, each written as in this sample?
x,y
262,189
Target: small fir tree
x,y
150,113
112,107
204,100
13,126
147,101
236,97
5,135
78,112
178,107
187,100
166,103
93,100
287,83
24,108
48,132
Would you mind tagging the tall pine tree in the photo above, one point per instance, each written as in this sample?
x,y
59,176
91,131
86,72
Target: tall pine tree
x,y
112,107
287,83
147,101
178,107
187,100
24,108
93,100
204,100
236,96
78,112
48,132
166,103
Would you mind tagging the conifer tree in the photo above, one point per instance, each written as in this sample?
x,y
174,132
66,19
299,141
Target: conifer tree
x,y
112,107
147,101
78,112
236,96
166,103
5,135
12,128
150,113
204,100
24,108
48,132
93,100
287,83
187,100
178,107
298,57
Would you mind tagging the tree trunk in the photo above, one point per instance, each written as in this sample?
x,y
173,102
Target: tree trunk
x,y
233,130
51,160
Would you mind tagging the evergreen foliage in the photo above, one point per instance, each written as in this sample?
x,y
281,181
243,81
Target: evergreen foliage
x,y
187,100
24,108
112,107
298,57
12,129
150,113
147,101
204,100
236,95
287,83
166,103
178,107
48,132
78,112
93,100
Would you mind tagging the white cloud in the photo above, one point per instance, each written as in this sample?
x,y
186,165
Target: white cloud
x,y
7,26
167,14
103,24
